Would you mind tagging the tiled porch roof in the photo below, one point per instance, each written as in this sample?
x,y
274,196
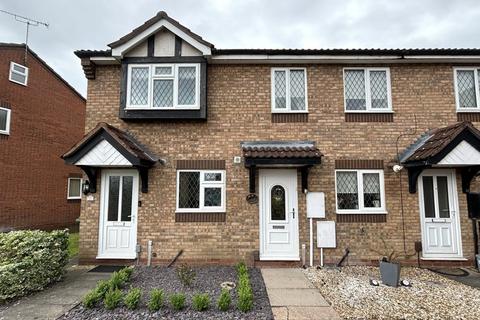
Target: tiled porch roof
x,y
433,142
280,149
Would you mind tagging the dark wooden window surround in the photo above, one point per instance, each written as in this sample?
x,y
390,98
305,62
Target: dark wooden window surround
x,y
200,216
289,117
368,117
468,116
360,164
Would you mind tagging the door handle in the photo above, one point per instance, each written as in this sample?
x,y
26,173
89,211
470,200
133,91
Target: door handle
x,y
293,212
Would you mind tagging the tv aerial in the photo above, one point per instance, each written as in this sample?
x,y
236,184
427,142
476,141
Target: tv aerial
x,y
28,22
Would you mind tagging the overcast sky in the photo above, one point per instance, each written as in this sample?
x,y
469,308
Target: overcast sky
x,y
92,24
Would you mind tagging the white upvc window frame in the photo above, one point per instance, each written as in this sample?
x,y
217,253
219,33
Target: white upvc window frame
x,y
287,95
12,70
202,185
368,94
7,127
151,77
68,189
475,70
361,209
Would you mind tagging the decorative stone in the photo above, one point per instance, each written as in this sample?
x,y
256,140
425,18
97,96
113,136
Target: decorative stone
x,y
228,285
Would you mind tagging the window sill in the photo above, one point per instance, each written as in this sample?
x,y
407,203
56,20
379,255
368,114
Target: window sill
x,y
361,212
289,112
369,111
473,110
5,133
76,198
161,109
203,211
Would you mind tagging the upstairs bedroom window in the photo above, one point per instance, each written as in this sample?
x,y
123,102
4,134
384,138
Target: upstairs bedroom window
x,y
200,191
163,86
4,121
367,90
289,90
18,73
467,89
360,191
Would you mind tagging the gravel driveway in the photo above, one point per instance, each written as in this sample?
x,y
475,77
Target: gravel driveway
x,y
208,279
431,296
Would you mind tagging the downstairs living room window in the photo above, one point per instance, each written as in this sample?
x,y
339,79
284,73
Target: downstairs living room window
x,y
200,191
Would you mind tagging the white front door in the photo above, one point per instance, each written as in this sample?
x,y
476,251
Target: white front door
x,y
439,214
118,214
278,214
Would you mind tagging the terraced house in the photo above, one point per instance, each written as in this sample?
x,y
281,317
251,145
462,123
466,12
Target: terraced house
x,y
216,151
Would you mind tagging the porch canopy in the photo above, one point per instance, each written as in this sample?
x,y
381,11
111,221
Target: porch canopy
x,y
455,146
274,154
108,147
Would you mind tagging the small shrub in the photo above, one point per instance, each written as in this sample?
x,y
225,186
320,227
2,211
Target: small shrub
x,y
117,280
91,299
224,300
201,302
242,268
157,298
102,288
245,298
186,275
112,299
126,274
177,300
132,299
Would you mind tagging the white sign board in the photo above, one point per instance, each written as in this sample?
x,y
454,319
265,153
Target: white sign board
x,y
315,205
326,235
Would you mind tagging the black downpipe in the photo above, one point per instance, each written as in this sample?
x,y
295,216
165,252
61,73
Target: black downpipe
x,y
475,241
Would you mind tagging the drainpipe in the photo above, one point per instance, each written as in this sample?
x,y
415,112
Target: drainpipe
x,y
149,253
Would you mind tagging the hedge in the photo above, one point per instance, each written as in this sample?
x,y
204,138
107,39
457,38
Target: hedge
x,y
30,260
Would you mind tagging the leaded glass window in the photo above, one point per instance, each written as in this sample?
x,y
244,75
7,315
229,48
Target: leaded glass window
x,y
367,89
201,190
360,191
277,203
467,88
163,86
289,90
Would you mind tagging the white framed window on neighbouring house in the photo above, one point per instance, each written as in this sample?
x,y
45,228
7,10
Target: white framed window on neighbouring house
x,y
200,191
18,73
360,191
5,120
163,86
74,189
289,90
467,88
367,90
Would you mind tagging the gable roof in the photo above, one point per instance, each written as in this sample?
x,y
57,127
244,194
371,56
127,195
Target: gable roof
x,y
434,144
151,26
37,57
159,16
135,152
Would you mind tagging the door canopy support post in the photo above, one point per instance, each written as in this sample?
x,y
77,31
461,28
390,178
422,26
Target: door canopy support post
x,y
468,173
92,174
251,177
413,174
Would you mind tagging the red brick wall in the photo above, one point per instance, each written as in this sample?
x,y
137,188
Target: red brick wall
x,y
239,110
47,118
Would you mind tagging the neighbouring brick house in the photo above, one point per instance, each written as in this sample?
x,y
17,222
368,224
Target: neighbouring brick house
x,y
215,151
40,116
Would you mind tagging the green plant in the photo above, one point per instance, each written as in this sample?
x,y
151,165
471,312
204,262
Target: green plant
x,y
132,299
388,253
157,298
242,268
245,298
112,299
91,299
186,275
201,302
224,300
31,260
118,279
102,288
177,300
244,289
126,273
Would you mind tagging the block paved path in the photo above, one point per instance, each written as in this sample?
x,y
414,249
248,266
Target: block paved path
x,y
56,299
292,296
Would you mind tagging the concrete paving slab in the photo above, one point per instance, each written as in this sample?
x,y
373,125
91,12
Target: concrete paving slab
x,y
280,313
285,278
295,297
317,313
55,300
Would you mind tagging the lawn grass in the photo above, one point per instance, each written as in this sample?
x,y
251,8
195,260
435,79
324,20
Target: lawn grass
x,y
73,244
